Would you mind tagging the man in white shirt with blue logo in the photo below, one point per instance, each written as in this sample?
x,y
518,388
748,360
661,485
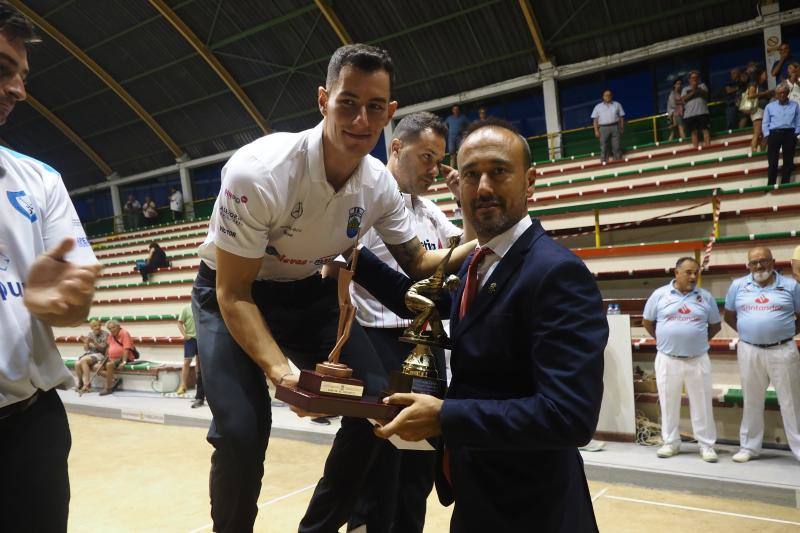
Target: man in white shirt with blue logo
x,y
682,318
47,274
764,307
289,204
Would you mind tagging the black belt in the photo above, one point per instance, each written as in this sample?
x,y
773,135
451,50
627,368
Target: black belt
x,y
610,124
784,341
19,407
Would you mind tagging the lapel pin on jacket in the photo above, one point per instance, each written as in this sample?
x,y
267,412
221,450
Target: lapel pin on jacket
x,y
492,288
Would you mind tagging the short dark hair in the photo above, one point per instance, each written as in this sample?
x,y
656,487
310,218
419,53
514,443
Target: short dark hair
x,y
606,90
15,25
503,124
361,56
411,127
682,260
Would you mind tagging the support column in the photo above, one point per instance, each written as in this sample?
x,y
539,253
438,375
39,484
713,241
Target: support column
x,y
186,190
772,39
552,117
116,205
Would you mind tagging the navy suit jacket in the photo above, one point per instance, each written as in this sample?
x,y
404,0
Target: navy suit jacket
x,y
527,383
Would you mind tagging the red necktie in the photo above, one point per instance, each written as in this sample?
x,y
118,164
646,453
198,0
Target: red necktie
x,y
471,287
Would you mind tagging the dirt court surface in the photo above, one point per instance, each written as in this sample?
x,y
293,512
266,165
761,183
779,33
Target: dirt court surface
x,y
140,477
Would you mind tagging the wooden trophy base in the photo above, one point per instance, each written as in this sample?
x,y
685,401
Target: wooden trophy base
x,y
332,395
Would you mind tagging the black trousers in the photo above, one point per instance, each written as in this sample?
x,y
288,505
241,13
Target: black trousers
x,y
303,318
199,393
398,484
786,140
34,445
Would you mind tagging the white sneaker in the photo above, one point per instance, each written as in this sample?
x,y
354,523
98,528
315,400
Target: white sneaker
x,y
709,455
668,450
742,456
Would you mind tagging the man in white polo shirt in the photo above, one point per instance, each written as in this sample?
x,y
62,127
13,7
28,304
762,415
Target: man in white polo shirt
x,y
608,119
398,485
42,284
764,307
289,203
682,318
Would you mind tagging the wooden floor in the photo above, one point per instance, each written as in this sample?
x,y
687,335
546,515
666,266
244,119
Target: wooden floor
x,y
140,477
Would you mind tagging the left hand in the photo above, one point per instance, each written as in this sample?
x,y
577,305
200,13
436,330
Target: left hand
x,y
57,288
418,420
451,176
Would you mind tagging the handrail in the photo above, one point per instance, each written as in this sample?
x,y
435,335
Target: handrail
x,y
584,128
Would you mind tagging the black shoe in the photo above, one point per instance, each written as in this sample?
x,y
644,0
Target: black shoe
x,y
117,383
198,403
323,420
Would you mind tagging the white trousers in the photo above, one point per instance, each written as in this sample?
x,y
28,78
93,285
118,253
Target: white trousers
x,y
695,372
759,366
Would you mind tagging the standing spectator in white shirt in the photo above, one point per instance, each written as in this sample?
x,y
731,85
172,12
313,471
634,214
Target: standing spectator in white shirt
x,y
149,211
176,203
764,307
47,274
675,110
682,318
609,123
695,111
132,210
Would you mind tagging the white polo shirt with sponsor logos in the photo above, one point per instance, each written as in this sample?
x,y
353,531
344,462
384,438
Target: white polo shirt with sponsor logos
x,y
681,319
35,215
764,315
433,230
276,204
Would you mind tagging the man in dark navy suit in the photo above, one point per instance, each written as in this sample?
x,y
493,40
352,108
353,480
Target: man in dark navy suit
x,y
528,331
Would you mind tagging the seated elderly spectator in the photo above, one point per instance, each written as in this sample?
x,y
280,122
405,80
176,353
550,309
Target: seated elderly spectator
x,y
149,211
121,350
156,259
95,345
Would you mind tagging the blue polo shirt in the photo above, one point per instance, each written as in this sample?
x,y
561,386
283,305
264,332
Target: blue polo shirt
x,y
681,319
764,314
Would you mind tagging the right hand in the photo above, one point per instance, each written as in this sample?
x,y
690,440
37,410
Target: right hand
x,y
597,134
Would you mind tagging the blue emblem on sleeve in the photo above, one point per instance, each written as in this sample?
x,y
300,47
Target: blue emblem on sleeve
x,y
354,221
22,202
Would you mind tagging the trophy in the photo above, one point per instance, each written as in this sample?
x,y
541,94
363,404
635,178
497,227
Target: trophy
x,y
331,388
419,373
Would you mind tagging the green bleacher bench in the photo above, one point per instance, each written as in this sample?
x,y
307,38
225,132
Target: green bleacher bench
x,y
735,396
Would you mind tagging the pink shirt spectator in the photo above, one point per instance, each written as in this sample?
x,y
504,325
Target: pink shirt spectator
x,y
117,345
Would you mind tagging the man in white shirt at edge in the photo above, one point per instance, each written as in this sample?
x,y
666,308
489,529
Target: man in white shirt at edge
x,y
47,273
176,203
288,204
682,318
764,308
399,482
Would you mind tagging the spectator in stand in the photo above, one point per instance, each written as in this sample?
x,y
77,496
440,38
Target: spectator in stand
x,y
132,210
149,211
482,113
780,68
781,126
695,111
456,125
609,123
121,350
764,307
186,326
156,259
176,203
792,82
796,264
675,110
95,345
731,94
683,318
757,97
